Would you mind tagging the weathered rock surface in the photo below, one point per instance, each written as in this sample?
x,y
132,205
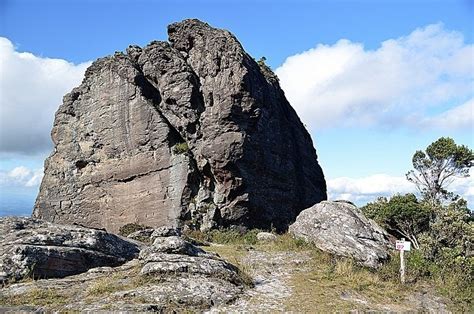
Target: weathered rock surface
x,y
165,231
31,247
266,236
170,275
191,130
174,255
141,235
341,228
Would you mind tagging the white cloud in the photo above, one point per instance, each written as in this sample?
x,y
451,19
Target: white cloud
x,y
31,88
21,177
461,116
367,189
394,85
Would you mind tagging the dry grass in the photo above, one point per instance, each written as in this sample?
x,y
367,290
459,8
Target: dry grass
x,y
36,296
103,286
286,242
330,283
235,254
326,283
323,283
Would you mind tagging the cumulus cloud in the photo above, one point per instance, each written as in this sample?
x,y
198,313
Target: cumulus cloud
x,y
367,189
398,84
362,190
31,90
21,177
461,116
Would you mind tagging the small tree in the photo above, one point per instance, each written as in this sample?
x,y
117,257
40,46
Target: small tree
x,y
402,215
436,168
261,61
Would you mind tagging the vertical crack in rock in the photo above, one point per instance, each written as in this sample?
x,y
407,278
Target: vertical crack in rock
x,y
193,131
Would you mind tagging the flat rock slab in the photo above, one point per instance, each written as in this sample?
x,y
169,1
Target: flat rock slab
x,y
341,228
170,275
32,247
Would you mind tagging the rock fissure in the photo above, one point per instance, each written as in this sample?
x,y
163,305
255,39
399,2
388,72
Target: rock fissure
x,y
139,175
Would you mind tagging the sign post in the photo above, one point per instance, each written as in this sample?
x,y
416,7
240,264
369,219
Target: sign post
x,y
402,246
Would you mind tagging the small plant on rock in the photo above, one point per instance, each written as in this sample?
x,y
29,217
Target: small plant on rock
x,y
127,229
181,148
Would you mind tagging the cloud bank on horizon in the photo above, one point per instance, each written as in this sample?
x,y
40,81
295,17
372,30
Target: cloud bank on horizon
x,y
423,80
368,189
21,177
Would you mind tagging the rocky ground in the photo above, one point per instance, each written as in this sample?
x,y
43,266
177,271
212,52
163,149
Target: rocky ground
x,y
299,281
283,280
252,272
272,273
45,266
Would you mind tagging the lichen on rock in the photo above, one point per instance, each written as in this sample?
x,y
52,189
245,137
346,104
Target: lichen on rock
x,y
340,228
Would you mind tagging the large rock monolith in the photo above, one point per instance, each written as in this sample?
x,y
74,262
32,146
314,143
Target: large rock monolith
x,y
192,131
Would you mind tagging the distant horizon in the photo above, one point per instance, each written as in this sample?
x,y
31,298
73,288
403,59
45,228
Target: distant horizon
x,y
373,82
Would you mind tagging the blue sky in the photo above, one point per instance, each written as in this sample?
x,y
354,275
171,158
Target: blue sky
x,y
372,80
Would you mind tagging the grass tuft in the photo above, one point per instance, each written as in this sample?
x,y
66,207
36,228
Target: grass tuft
x,y
103,286
226,236
130,228
181,148
37,297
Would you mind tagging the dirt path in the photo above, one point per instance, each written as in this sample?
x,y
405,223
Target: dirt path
x,y
272,272
292,281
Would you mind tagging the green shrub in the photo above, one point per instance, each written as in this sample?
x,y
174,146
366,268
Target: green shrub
x,y
287,242
226,236
234,236
127,229
402,216
181,148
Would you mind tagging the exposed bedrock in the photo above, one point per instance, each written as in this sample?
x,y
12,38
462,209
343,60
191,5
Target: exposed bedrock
x,y
191,131
341,228
38,249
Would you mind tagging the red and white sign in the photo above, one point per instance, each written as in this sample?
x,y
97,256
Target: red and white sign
x,y
403,245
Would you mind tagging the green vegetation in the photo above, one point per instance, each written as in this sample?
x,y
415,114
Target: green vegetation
x,y
261,62
225,236
181,148
436,168
403,215
127,229
439,225
104,286
321,281
36,296
286,242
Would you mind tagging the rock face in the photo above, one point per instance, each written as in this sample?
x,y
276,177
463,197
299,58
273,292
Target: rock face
x,y
191,130
170,275
341,228
30,247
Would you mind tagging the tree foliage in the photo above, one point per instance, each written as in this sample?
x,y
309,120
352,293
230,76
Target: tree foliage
x,y
451,233
439,225
402,215
436,168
